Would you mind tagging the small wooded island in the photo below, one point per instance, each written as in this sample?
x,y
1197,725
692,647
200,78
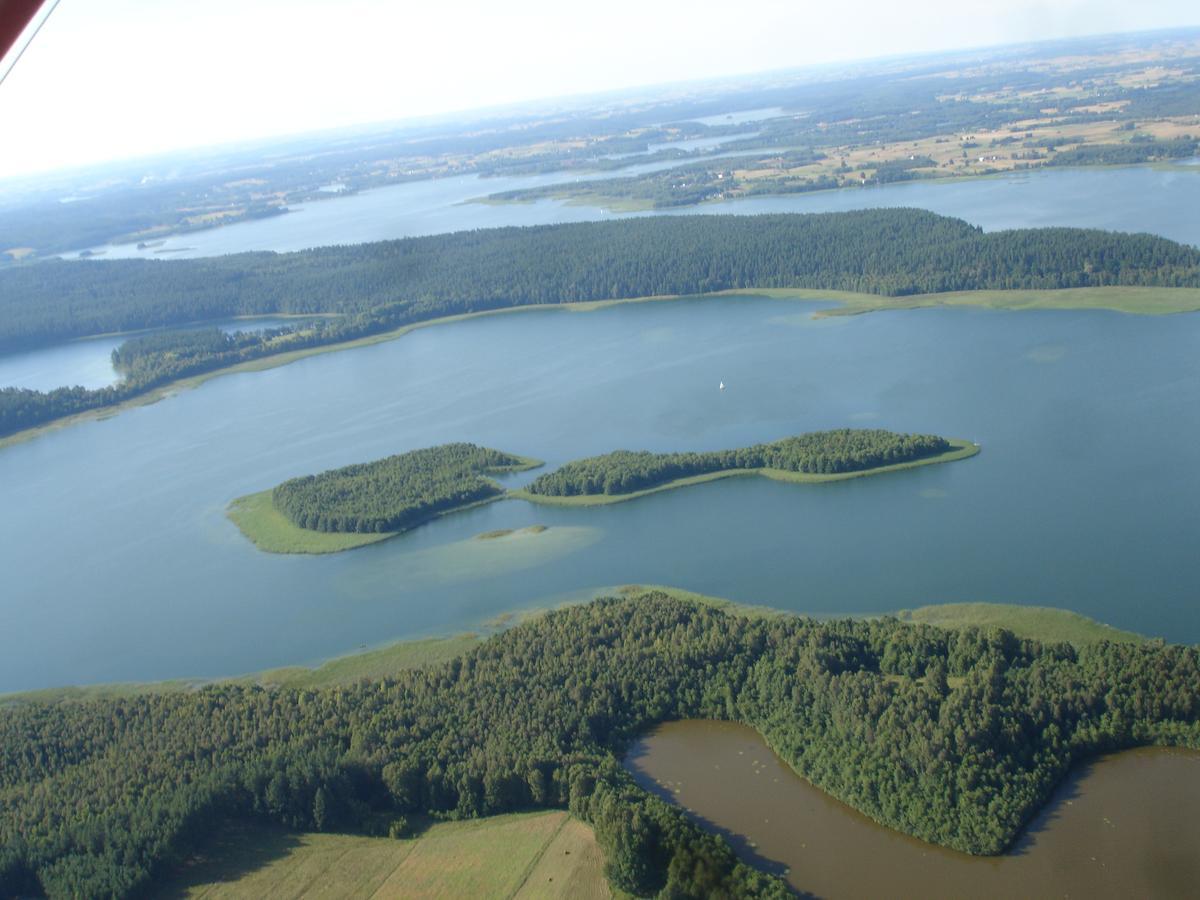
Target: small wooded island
x,y
368,502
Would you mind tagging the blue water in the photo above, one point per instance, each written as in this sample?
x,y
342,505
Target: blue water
x,y
119,563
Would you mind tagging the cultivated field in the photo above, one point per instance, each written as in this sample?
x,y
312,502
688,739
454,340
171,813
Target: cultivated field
x,y
525,855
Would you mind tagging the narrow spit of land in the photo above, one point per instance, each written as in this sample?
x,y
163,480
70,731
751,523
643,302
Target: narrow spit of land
x,y
810,458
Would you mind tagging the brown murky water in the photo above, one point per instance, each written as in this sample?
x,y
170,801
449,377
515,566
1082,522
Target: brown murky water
x,y
1127,825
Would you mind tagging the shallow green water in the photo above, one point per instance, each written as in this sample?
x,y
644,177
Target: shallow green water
x,y
119,562
1124,826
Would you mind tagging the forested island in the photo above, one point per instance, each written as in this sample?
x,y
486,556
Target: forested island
x,y
372,289
358,504
816,456
957,737
367,502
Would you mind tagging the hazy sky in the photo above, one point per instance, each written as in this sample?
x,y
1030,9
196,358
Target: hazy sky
x,y
107,79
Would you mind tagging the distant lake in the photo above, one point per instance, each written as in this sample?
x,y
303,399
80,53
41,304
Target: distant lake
x,y
119,563
1139,198
742,117
89,362
1123,826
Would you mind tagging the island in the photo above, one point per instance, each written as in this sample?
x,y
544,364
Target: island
x,y
370,502
807,458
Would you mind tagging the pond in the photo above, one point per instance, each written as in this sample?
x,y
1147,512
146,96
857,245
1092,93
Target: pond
x,y
1123,826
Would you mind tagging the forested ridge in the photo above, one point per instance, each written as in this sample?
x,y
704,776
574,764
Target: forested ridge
x,y
818,452
879,251
373,288
96,797
394,493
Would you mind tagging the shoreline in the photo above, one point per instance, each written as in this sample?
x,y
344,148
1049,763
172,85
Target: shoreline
x,y
1131,300
392,656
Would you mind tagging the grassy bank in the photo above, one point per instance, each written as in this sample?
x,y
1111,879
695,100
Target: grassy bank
x,y
521,855
961,450
378,663
269,529
1146,301
1041,623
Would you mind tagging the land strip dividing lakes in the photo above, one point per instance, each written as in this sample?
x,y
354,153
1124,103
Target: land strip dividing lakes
x,y
362,504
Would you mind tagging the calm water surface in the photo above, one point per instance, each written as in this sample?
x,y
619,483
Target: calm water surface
x,y
120,564
1158,200
1125,826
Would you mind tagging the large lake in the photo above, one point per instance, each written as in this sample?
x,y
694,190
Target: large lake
x,y
120,564
1123,826
1161,200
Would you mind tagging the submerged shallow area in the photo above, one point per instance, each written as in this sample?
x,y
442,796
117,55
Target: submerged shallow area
x,y
1125,825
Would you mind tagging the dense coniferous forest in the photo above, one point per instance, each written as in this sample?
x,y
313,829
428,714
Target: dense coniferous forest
x,y
97,796
880,251
818,452
378,287
394,493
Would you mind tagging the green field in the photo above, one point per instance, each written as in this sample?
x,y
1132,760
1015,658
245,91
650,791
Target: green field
x,y
523,855
962,450
1042,623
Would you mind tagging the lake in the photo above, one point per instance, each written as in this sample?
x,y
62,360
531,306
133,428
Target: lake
x,y
1160,200
1123,826
120,564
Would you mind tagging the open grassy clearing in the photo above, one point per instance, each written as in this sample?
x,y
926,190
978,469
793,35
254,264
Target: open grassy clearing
x,y
962,450
528,855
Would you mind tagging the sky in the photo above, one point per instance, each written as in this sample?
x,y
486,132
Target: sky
x,y
113,79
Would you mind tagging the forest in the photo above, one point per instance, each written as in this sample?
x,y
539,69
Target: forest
x,y
818,452
395,493
98,797
373,288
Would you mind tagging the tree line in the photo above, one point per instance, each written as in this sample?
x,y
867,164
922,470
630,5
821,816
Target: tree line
x,y
818,452
394,493
98,797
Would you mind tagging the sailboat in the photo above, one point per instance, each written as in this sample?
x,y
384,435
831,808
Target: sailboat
x,y
721,386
